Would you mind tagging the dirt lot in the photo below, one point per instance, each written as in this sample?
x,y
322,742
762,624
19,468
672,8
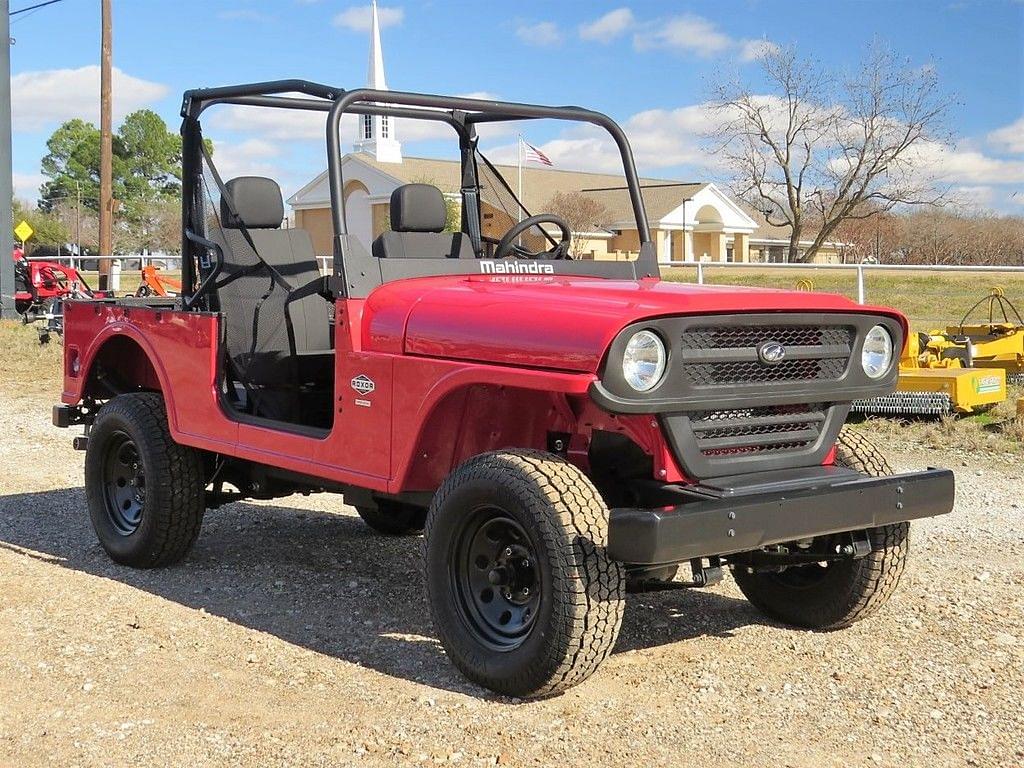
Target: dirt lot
x,y
294,636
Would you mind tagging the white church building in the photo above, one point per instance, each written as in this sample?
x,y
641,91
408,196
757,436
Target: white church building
x,y
689,221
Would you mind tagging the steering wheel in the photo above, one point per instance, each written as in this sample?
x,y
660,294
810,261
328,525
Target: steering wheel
x,y
507,245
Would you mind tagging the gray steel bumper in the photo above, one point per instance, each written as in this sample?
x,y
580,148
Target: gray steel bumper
x,y
737,523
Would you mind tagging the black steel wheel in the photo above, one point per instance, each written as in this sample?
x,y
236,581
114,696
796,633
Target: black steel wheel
x,y
835,594
124,483
494,578
524,598
146,493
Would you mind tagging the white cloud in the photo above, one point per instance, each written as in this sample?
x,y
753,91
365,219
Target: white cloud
x,y
543,33
687,33
696,35
26,186
270,124
966,165
45,97
252,157
660,139
979,196
608,27
357,18
1009,138
285,126
752,50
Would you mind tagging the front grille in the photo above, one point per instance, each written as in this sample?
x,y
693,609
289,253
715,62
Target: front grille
x,y
728,354
725,411
749,431
717,337
750,371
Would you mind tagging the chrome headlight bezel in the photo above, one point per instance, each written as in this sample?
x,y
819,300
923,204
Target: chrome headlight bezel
x,y
877,353
642,370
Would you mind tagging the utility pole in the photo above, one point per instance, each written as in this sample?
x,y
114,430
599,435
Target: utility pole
x,y
78,224
106,150
6,190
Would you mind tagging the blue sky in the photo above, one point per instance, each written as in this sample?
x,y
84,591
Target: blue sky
x,y
647,64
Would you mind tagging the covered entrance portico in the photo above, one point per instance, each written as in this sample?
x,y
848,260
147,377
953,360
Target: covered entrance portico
x,y
708,226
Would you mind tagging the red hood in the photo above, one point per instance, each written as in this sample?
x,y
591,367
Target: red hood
x,y
552,321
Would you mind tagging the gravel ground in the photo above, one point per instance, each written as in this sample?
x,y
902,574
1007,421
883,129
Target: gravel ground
x,y
294,636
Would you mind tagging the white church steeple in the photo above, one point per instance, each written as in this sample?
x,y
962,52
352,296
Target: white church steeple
x,y
377,133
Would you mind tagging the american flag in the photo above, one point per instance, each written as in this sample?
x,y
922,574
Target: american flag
x,y
534,155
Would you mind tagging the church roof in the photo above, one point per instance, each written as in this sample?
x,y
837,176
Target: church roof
x,y
539,184
660,198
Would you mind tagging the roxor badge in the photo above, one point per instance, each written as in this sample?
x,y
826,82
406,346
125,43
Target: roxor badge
x,y
363,384
771,352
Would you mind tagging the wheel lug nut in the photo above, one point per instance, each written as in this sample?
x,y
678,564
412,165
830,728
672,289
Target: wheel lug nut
x,y
526,563
508,594
508,551
526,591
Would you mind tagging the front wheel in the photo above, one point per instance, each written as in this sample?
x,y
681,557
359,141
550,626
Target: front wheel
x,y
525,600
146,493
835,594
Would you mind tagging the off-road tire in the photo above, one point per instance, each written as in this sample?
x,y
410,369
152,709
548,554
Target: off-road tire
x,y
174,496
848,590
392,518
580,591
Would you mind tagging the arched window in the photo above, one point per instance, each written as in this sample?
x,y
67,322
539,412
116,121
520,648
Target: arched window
x,y
367,126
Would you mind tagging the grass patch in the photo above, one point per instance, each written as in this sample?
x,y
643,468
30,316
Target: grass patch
x,y
997,430
28,366
928,300
130,281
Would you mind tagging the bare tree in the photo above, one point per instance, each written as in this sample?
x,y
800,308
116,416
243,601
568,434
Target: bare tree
x,y
819,149
583,214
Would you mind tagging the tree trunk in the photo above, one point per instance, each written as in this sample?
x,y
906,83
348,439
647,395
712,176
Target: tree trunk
x,y
794,246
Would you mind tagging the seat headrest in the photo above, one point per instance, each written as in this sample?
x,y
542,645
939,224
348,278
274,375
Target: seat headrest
x,y
418,208
257,200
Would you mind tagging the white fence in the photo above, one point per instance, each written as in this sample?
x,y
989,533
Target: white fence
x,y
169,262
703,267
173,263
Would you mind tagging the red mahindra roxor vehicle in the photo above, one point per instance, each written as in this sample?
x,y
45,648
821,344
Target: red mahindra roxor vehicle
x,y
560,430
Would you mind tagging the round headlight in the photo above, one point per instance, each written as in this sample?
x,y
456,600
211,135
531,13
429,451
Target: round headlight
x,y
643,362
876,357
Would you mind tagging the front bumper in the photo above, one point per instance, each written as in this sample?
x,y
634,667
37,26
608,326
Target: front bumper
x,y
748,515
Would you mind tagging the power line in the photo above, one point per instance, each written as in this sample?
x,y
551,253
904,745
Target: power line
x,y
34,7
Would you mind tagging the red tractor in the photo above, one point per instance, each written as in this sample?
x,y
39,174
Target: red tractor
x,y
41,287
560,430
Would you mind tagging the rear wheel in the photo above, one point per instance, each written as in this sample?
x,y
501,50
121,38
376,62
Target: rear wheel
x,y
525,600
146,493
836,594
393,518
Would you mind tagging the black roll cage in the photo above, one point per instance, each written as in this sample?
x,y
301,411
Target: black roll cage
x,y
356,272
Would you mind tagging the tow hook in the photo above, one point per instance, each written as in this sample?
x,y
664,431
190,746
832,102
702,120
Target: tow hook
x,y
859,546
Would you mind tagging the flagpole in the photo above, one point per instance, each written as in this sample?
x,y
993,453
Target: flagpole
x,y
519,207
519,146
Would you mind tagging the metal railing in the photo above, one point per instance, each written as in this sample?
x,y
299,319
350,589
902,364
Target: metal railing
x,y
172,262
703,266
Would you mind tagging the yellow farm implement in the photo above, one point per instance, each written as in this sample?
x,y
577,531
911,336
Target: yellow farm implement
x,y
935,380
996,344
